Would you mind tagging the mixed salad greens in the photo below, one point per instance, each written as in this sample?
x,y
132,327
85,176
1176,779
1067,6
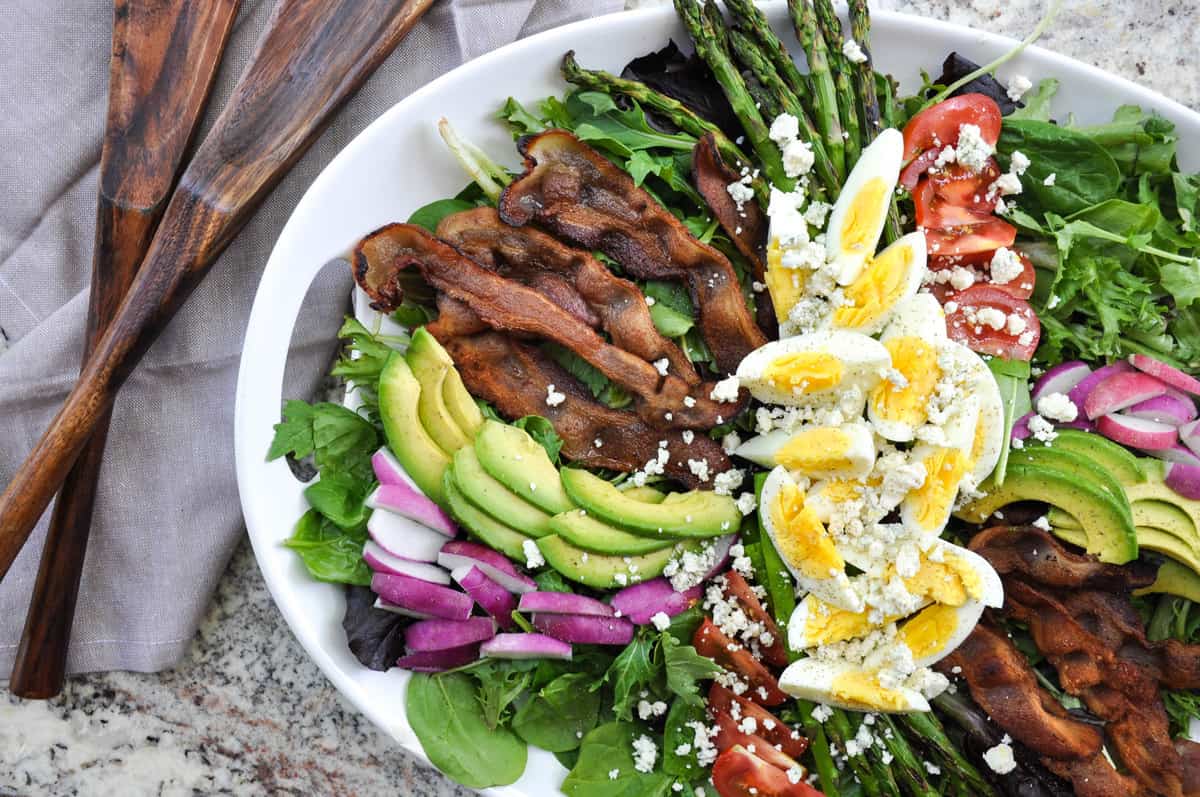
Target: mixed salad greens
x,y
887,524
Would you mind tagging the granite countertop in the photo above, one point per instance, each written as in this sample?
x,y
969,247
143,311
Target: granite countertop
x,y
248,713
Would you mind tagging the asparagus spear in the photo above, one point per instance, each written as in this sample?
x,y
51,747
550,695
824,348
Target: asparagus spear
x,y
750,19
825,107
710,47
910,770
830,28
818,745
864,74
764,100
838,727
926,726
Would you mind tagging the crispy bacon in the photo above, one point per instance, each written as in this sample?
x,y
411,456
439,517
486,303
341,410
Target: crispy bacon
x,y
573,277
1031,552
514,376
578,194
663,401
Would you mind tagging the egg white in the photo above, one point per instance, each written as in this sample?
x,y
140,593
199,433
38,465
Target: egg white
x,y
859,454
863,360
880,160
814,679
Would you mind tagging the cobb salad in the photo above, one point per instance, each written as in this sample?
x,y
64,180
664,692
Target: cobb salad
x,y
773,433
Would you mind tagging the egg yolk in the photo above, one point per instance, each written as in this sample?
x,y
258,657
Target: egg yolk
x,y
825,624
980,439
917,362
859,232
944,471
949,582
816,450
877,289
928,632
801,538
804,372
863,689
786,285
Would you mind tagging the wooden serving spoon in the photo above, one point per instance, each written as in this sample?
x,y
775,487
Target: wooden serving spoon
x,y
165,55
313,56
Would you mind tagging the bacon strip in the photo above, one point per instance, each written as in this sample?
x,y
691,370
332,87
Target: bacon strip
x,y
572,277
514,376
663,401
1031,552
578,194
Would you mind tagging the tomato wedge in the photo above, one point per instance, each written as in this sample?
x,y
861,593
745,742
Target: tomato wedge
x,y
936,213
729,734
1020,286
960,186
710,641
739,773
986,236
937,126
737,588
981,318
911,174
721,702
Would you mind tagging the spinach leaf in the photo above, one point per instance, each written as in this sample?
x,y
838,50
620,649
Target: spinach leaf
x,y
1037,102
678,731
542,431
375,636
608,751
1013,378
683,625
449,722
1085,174
329,552
340,497
602,389
551,581
684,668
560,714
672,310
429,215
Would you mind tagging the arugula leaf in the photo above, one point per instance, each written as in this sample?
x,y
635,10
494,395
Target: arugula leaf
x,y
684,667
621,132
329,552
501,683
294,435
636,669
606,749
428,216
1012,376
560,714
519,119
363,359
542,431
1139,142
449,721
1085,173
1037,102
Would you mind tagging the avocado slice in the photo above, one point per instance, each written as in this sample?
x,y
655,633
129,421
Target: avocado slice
x,y
1169,518
602,571
430,363
480,524
1112,458
646,495
585,531
460,403
494,498
1107,522
1167,544
697,514
1074,465
422,458
1174,578
516,460
1155,490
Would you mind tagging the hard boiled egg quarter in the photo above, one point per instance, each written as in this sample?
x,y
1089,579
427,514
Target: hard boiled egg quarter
x,y
889,279
849,686
898,405
813,367
818,452
861,209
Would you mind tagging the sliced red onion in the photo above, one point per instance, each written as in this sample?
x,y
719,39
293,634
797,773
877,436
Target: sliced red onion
x,y
525,646
405,501
444,634
1172,408
495,599
401,537
1184,479
1060,379
1120,391
563,603
1020,430
585,629
421,596
383,605
1079,393
1166,373
381,561
641,602
1137,432
459,553
439,660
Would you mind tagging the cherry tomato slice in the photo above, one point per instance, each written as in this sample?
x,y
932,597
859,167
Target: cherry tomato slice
x,y
737,588
730,733
775,731
936,213
912,173
977,260
1020,286
958,185
975,239
937,127
981,318
710,641
739,773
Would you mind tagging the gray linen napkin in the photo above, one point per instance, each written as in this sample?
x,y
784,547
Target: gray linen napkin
x,y
167,517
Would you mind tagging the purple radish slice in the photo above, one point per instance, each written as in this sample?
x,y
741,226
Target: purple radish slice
x,y
525,646
1177,453
443,634
495,599
584,629
401,537
1166,373
1060,379
421,596
1020,430
1079,393
641,602
381,561
721,546
1189,435
1137,432
1184,479
383,605
563,603
1171,408
387,468
406,501
460,553
1120,391
439,660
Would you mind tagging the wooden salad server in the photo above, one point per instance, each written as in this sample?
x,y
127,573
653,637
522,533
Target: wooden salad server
x,y
313,56
165,55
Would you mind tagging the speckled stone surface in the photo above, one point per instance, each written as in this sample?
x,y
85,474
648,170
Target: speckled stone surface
x,y
248,713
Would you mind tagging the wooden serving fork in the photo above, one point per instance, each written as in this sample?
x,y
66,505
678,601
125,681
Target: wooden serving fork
x,y
313,56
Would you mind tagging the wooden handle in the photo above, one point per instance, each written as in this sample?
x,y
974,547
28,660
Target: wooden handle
x,y
165,55
313,57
